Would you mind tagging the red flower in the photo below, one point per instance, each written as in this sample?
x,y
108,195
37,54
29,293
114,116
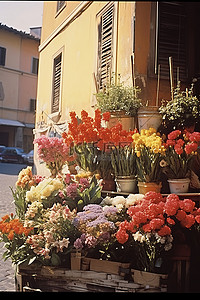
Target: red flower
x,y
174,134
147,228
178,149
188,221
187,205
191,147
171,204
181,214
197,218
106,116
122,236
194,137
170,221
153,197
165,230
156,223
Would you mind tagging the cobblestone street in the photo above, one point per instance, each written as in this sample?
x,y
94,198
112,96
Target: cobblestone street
x,y
8,177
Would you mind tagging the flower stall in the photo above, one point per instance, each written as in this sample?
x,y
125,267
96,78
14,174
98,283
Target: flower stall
x,y
68,233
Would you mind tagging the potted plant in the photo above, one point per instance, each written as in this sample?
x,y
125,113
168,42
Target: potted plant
x,y
92,144
182,108
123,159
121,101
149,152
176,164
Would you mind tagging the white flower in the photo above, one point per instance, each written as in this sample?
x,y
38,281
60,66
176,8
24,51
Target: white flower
x,y
119,202
133,199
139,237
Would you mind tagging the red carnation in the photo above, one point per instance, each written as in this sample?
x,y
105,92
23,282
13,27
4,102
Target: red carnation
x,y
122,236
165,230
187,205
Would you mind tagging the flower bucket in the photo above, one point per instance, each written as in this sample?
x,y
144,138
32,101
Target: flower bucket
x,y
128,122
145,187
125,184
148,278
178,186
148,116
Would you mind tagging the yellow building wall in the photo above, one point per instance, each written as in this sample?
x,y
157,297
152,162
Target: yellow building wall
x,y
79,41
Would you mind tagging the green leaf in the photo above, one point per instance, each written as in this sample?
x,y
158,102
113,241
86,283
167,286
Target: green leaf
x,y
55,259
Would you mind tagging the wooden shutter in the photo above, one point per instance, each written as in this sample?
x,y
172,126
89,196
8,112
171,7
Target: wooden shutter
x,y
56,83
2,56
105,52
172,37
35,65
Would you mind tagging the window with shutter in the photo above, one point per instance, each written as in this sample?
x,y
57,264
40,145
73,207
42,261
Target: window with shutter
x,y
105,46
2,56
34,68
172,38
56,83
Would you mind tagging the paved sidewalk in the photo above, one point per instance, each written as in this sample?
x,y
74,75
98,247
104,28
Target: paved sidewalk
x,y
7,281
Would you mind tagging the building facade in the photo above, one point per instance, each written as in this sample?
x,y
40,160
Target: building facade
x,y
18,87
82,42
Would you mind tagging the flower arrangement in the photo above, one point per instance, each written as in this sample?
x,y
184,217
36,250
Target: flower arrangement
x,y
150,228
149,150
183,106
54,152
180,149
118,97
92,143
67,213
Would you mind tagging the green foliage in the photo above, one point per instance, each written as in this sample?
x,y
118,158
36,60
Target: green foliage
x,y
123,161
90,195
183,105
117,97
19,196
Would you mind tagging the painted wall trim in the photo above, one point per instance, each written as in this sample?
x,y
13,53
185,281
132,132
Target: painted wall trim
x,y
82,6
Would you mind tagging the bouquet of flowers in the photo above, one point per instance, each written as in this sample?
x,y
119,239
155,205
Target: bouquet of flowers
x,y
180,149
92,143
54,152
43,229
150,229
149,152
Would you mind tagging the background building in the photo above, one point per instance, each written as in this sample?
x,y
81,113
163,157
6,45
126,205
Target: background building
x,y
18,87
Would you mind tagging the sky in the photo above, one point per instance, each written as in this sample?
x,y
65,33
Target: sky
x,y
21,15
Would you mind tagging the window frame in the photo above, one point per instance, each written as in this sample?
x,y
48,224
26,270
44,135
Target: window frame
x,y
152,70
2,61
113,42
55,56
33,65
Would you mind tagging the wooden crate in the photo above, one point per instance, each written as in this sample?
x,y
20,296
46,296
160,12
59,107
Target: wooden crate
x,y
51,279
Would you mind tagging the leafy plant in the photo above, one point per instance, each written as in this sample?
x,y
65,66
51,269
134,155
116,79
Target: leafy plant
x,y
183,106
123,161
117,97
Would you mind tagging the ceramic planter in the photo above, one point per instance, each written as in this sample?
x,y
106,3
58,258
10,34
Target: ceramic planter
x,y
125,184
178,186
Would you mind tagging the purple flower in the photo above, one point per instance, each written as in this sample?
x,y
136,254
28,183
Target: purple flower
x,y
93,207
110,210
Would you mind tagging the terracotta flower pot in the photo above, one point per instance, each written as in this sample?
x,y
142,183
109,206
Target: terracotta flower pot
x,y
145,187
